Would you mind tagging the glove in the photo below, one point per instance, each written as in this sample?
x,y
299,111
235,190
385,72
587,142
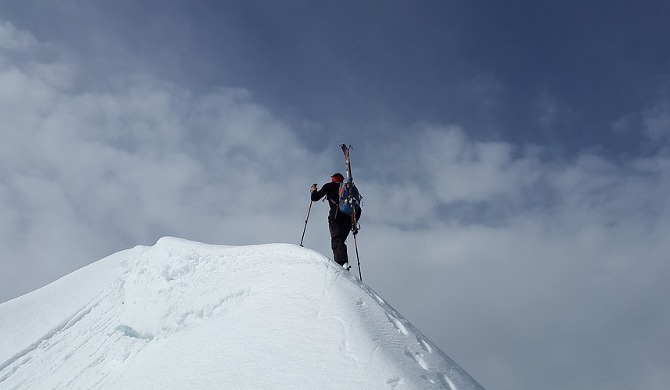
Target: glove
x,y
312,188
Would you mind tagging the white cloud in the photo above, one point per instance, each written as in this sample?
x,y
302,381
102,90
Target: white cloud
x,y
656,120
559,257
13,39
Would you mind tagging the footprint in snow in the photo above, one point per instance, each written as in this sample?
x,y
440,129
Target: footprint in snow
x,y
446,382
400,327
418,358
393,382
424,344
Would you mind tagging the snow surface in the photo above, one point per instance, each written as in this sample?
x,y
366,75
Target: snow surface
x,y
187,315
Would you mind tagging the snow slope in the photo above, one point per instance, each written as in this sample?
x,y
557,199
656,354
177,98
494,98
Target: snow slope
x,y
186,315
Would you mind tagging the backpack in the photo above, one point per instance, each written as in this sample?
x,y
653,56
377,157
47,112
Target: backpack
x,y
346,205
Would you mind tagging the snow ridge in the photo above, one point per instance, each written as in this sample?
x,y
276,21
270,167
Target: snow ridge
x,y
182,314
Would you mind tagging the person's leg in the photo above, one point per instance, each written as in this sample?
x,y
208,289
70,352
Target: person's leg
x,y
338,236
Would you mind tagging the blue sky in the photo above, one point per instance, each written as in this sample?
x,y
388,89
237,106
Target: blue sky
x,y
513,156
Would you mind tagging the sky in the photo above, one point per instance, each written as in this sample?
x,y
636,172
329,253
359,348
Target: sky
x,y
187,315
514,159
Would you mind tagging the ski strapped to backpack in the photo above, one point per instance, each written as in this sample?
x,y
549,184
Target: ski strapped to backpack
x,y
350,198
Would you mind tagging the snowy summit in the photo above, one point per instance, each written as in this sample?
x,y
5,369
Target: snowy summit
x,y
186,315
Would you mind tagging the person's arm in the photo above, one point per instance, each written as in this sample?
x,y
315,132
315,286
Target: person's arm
x,y
317,195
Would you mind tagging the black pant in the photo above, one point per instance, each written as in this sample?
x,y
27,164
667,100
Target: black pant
x,y
339,231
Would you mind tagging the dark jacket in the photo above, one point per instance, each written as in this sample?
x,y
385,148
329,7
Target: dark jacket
x,y
332,193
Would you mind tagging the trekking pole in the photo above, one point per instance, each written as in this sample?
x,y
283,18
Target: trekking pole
x,y
354,230
306,219
358,258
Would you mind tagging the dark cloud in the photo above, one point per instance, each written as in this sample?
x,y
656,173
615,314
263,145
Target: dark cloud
x,y
353,67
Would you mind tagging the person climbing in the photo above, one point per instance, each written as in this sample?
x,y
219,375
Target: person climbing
x,y
338,222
